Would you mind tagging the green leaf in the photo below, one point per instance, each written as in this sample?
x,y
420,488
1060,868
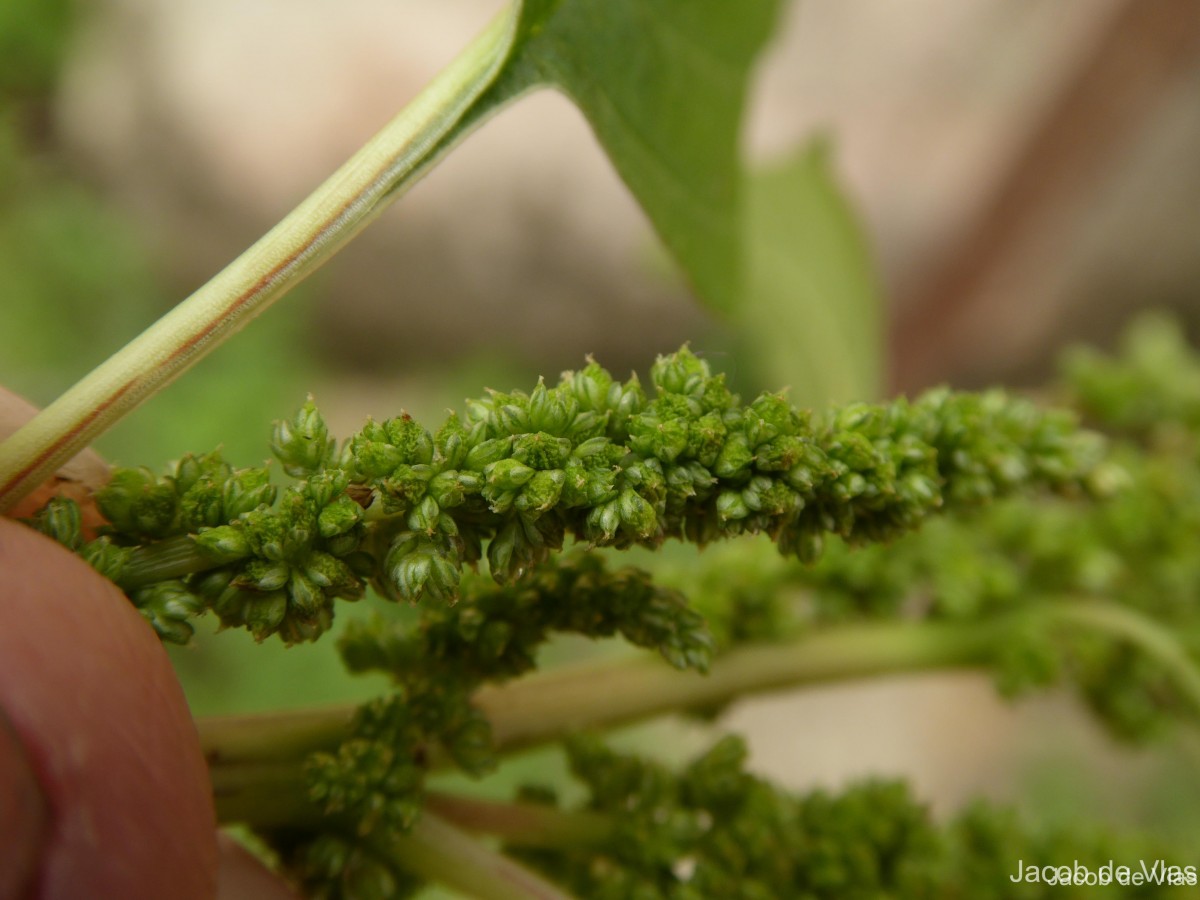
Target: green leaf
x,y
662,83
811,309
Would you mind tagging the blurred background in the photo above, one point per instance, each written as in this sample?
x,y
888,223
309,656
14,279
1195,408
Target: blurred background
x,y
1025,174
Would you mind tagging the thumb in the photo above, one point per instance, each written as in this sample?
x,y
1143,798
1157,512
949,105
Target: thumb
x,y
23,816
103,729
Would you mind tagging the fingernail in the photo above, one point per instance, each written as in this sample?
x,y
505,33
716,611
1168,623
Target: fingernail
x,y
23,816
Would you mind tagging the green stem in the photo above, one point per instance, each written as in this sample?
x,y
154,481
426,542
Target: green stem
x,y
243,749
231,742
256,762
267,795
377,174
1156,641
438,852
603,695
522,824
162,560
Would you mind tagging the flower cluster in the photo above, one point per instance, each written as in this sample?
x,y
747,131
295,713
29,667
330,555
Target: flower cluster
x,y
596,459
590,458
207,536
376,777
713,830
1150,387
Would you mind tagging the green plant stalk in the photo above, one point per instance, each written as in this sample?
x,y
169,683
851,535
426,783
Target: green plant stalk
x,y
256,762
438,852
378,173
276,796
522,824
163,560
1141,631
545,707
253,759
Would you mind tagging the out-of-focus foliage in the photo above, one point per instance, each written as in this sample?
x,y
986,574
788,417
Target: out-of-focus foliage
x,y
713,830
811,314
34,36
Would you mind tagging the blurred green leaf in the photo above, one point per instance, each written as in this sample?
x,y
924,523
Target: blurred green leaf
x,y
33,38
662,83
811,311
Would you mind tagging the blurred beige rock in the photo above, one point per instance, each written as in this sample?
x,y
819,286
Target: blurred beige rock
x,y
213,119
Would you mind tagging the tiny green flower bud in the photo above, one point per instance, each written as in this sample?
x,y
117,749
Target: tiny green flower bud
x,y
757,495
451,443
269,541
679,373
593,447
489,452
414,442
305,595
541,450
575,478
137,503
333,574
604,520
61,520
262,575
649,435
802,478
409,573
339,517
507,475
470,483
324,487
297,630
627,399
302,443
447,489
716,396
263,613
601,487
590,386
706,437
636,514
731,505
588,424
769,416
211,584
226,601
245,490
513,418
415,567
444,576
541,493
854,450
224,544
510,553
201,506
373,459
106,557
547,411
298,518
735,456
647,476
424,516
850,485
191,469
167,605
